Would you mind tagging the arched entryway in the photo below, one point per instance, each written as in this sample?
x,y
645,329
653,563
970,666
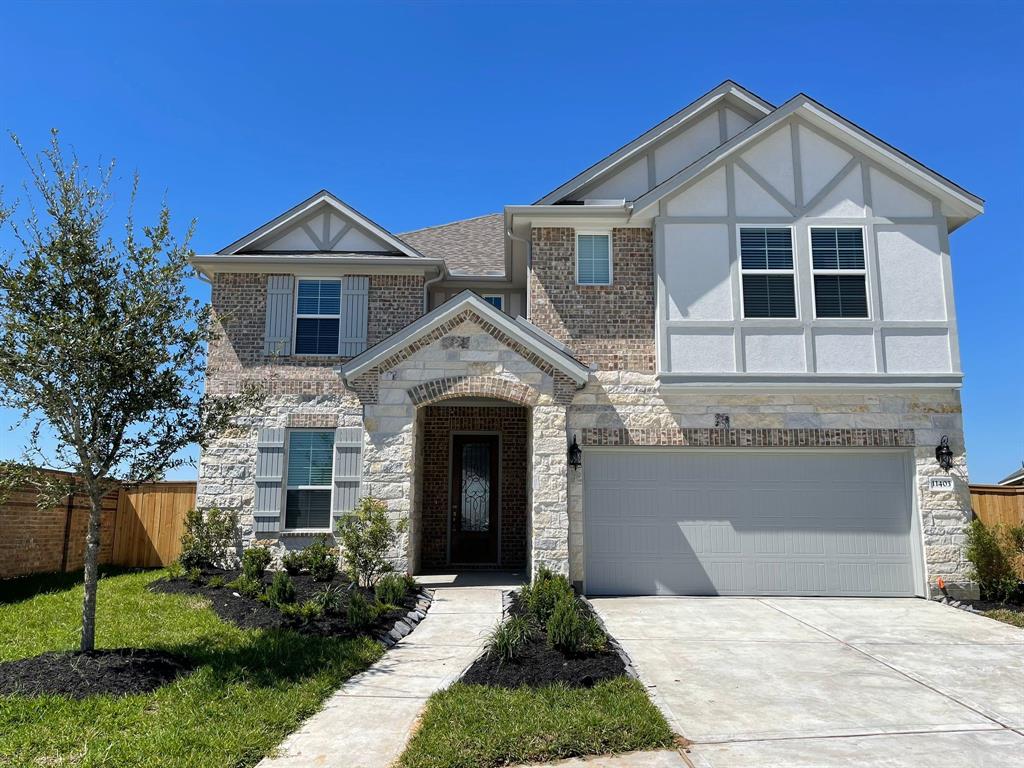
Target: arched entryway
x,y
473,467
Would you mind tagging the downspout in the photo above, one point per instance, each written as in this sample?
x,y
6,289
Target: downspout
x,y
426,287
529,263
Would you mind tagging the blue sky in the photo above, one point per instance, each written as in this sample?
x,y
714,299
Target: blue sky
x,y
421,113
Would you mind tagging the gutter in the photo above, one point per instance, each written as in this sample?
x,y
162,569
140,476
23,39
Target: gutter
x,y
441,273
290,261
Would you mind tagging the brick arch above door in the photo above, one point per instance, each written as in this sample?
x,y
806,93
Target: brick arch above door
x,y
450,387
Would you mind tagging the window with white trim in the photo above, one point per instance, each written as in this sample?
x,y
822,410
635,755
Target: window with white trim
x,y
766,268
593,258
318,317
496,300
308,482
840,274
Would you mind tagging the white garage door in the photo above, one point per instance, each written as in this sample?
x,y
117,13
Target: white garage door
x,y
749,522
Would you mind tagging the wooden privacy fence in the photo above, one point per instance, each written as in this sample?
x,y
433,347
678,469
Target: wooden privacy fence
x,y
149,523
995,504
139,527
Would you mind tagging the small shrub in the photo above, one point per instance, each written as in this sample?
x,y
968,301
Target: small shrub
x,y
306,611
247,587
255,561
367,534
293,561
595,638
194,575
207,537
994,556
543,595
360,612
321,558
215,582
507,638
175,570
331,599
391,588
281,590
567,628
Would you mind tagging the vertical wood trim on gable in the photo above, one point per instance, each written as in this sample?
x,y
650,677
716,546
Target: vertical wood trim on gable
x,y
348,469
269,480
354,312
277,338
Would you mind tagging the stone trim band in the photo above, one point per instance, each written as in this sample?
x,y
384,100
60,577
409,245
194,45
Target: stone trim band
x,y
750,438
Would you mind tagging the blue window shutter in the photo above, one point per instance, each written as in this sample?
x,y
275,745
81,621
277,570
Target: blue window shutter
x,y
269,480
277,337
348,469
354,314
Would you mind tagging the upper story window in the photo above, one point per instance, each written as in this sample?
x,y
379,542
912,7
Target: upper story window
x,y
308,483
766,264
496,300
593,258
318,317
840,276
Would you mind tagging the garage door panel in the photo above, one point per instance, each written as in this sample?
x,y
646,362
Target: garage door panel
x,y
748,522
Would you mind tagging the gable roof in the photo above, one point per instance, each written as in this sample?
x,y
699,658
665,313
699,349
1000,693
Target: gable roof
x,y
1014,478
322,199
962,205
473,246
728,89
521,331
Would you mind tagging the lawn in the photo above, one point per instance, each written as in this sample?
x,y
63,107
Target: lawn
x,y
252,687
476,726
1007,616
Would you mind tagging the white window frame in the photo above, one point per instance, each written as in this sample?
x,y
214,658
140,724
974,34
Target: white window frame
x,y
861,272
499,296
286,487
296,315
792,271
611,256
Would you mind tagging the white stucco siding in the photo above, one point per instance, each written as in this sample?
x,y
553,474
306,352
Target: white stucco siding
x,y
628,184
734,123
681,150
697,272
910,273
798,178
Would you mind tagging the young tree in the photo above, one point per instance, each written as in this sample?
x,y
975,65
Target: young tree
x,y
101,348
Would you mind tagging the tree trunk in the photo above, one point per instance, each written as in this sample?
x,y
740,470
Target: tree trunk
x,y
92,560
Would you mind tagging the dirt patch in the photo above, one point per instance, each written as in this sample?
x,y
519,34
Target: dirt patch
x,y
114,672
249,613
538,664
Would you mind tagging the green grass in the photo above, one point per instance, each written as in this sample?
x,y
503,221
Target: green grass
x,y
250,690
1007,616
475,726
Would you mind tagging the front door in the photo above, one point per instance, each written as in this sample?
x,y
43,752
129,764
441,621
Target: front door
x,y
474,499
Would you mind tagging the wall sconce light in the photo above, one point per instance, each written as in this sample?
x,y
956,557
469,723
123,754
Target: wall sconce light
x,y
944,454
575,454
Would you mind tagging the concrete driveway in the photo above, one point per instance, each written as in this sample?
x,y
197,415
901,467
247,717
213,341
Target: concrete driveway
x,y
801,682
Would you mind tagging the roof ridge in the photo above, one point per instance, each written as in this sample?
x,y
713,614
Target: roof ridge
x,y
448,224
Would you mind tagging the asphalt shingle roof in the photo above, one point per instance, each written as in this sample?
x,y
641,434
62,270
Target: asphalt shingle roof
x,y
469,247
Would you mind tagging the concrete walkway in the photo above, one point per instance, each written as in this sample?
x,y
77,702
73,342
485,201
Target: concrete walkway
x,y
808,682
368,721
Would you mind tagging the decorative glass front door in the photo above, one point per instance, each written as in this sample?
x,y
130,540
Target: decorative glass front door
x,y
474,499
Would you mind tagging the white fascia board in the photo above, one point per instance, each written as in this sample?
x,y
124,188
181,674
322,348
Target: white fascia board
x,y
901,164
339,205
606,216
560,360
213,263
636,147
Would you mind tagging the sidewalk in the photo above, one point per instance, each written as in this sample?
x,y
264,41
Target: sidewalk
x,y
367,722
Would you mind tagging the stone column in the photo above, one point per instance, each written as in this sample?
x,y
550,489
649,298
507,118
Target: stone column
x,y
388,466
549,472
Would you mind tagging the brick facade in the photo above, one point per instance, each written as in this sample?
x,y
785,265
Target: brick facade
x,y
439,423
236,356
611,325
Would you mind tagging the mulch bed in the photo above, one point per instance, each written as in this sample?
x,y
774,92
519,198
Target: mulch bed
x,y
538,664
116,672
247,613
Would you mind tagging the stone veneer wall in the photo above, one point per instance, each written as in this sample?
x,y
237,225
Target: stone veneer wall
x,y
611,325
236,356
627,408
439,423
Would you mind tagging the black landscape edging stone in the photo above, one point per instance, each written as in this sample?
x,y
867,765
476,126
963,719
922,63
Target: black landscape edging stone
x,y
76,675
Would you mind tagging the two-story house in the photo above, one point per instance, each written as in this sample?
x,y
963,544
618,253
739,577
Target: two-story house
x,y
718,361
